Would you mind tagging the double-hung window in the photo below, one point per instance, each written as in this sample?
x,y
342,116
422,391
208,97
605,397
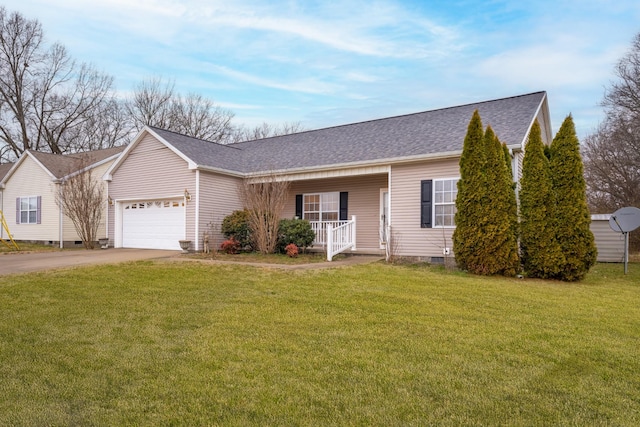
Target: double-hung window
x,y
28,210
333,206
444,202
438,202
321,206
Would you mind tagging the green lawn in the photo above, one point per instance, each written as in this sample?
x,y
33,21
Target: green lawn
x,y
173,344
8,247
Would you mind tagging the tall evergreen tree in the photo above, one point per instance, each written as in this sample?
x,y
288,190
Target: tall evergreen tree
x,y
468,218
507,159
499,251
572,213
540,251
485,240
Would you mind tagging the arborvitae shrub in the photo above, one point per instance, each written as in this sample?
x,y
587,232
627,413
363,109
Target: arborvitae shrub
x,y
540,252
572,213
500,244
469,217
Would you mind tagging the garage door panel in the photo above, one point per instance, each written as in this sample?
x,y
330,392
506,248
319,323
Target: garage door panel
x,y
155,224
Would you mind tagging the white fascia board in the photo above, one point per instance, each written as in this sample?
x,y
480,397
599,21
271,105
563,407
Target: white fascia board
x,y
91,166
192,164
20,161
544,108
363,164
359,168
219,170
108,175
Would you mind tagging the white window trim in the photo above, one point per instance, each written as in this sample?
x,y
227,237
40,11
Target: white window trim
x,y
29,210
433,203
320,211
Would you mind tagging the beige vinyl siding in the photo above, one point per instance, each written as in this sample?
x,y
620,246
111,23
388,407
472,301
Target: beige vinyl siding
x,y
609,243
31,180
152,171
218,198
363,202
411,239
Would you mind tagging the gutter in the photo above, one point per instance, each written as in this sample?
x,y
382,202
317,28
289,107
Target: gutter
x,y
336,166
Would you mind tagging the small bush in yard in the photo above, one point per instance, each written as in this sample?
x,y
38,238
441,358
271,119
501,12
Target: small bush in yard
x,y
296,231
230,246
292,250
237,225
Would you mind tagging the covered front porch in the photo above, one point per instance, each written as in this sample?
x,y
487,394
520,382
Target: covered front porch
x,y
349,213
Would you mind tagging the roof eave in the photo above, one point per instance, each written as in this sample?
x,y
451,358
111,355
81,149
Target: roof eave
x,y
228,172
377,162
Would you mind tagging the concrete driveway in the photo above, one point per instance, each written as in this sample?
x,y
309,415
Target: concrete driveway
x,y
12,263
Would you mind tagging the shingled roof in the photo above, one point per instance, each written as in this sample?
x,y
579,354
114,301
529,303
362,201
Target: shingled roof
x,y
60,165
409,136
4,169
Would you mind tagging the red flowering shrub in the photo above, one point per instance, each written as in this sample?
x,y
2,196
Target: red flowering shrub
x,y
230,246
292,250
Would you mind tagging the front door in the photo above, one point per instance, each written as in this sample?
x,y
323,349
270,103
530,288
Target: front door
x,y
384,217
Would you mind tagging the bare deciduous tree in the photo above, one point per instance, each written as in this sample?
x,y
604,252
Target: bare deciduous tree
x,y
624,93
81,198
45,96
265,199
156,103
612,152
612,165
266,130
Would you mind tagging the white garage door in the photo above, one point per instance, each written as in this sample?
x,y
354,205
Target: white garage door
x,y
155,224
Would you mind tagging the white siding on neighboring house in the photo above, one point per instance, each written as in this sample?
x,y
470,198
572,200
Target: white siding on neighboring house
x,y
151,172
29,179
610,244
411,239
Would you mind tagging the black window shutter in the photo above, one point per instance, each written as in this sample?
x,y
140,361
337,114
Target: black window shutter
x,y
344,206
425,203
299,205
17,210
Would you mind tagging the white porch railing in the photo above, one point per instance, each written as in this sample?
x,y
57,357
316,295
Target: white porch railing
x,y
335,236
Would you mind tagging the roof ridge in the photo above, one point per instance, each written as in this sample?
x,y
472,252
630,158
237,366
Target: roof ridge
x,y
393,117
192,137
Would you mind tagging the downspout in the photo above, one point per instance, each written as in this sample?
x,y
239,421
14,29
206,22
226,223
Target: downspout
x,y
389,196
197,216
61,224
2,209
106,217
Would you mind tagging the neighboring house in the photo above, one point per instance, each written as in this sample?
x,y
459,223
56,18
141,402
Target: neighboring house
x,y
4,169
29,192
396,175
610,243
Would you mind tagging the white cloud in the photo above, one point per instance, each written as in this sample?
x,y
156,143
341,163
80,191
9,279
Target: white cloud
x,y
309,85
545,66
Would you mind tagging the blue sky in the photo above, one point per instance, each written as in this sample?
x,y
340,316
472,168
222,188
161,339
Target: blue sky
x,y
329,63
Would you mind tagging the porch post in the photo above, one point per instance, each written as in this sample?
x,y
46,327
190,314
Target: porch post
x,y
353,232
329,240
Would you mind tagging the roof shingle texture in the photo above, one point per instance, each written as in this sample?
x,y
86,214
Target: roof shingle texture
x,y
62,165
419,134
4,169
